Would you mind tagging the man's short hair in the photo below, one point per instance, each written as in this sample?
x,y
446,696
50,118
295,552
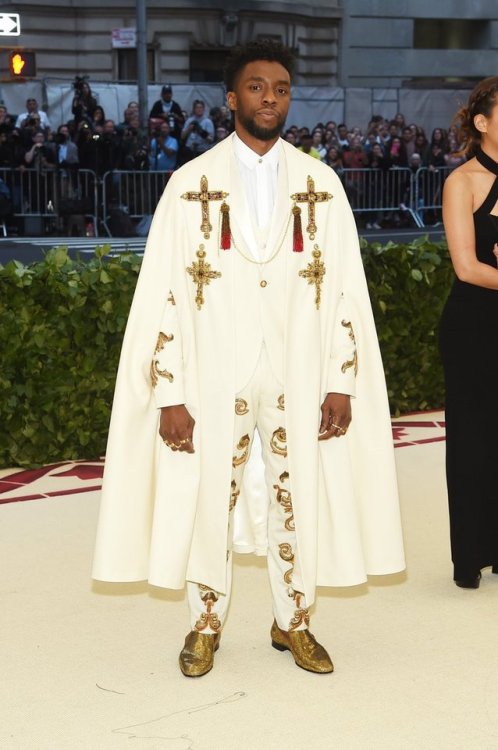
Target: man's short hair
x,y
260,49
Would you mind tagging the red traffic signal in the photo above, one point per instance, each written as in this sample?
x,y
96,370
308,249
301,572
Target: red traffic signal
x,y
22,64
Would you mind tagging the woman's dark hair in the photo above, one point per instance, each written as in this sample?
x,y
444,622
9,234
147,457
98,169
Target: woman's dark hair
x,y
260,49
481,102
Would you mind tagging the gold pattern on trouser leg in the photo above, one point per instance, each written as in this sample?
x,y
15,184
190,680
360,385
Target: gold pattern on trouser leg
x,y
279,436
242,445
353,362
233,496
208,618
284,497
286,553
241,407
301,614
281,402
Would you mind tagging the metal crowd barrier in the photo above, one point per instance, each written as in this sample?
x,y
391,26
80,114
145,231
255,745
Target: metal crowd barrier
x,y
40,196
379,192
134,193
64,196
428,191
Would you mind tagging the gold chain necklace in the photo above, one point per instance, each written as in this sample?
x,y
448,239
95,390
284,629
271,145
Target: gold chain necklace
x,y
269,260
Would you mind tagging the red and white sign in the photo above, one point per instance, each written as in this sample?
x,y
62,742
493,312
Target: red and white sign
x,y
124,38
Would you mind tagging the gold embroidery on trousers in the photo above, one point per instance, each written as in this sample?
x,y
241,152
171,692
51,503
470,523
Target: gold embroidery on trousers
x,y
242,445
155,372
314,274
208,618
279,436
286,553
353,362
284,498
284,476
201,275
281,402
233,496
171,299
241,407
301,614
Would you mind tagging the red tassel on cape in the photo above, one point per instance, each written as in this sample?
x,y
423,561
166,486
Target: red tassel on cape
x,y
225,242
297,233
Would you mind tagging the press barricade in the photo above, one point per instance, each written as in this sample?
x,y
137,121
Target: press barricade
x,y
428,193
129,199
52,201
378,193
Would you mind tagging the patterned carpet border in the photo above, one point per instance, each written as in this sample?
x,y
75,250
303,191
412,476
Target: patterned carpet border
x,y
74,477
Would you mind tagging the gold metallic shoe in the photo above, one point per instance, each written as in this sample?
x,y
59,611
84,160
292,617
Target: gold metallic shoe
x,y
307,652
197,656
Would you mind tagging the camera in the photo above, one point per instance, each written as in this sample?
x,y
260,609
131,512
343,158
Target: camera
x,y
200,131
79,82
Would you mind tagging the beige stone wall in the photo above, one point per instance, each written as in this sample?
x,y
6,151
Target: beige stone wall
x,y
73,38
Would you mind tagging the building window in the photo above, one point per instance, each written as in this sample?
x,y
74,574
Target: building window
x,y
433,33
206,65
127,65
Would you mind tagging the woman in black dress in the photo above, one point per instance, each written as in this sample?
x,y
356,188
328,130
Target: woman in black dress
x,y
469,341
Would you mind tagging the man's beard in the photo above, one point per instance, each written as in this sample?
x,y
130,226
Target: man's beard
x,y
262,134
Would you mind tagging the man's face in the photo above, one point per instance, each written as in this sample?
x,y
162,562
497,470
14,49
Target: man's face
x,y
108,128
260,100
343,131
166,95
199,109
32,105
164,129
407,134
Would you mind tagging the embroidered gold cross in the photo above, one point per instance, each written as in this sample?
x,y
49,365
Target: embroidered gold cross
x,y
204,196
314,274
201,275
311,197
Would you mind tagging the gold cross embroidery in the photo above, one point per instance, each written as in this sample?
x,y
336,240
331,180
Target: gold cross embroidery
x,y
311,197
204,196
314,274
201,275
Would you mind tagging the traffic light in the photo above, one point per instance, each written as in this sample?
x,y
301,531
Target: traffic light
x,y
22,63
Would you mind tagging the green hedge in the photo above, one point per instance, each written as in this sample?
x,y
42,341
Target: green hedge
x,y
62,321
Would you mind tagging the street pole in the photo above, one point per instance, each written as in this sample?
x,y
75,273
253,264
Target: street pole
x,y
142,62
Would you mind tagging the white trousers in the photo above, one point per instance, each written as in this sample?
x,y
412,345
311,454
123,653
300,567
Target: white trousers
x,y
260,405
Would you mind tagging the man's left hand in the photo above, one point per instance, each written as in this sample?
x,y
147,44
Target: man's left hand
x,y
336,416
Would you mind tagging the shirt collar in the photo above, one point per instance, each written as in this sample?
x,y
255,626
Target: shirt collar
x,y
250,158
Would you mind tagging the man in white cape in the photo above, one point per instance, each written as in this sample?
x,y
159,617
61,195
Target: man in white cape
x,y
251,312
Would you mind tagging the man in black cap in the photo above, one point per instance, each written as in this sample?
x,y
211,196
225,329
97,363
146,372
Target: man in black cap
x,y
168,110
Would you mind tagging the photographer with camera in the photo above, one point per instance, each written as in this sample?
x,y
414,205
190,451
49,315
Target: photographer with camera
x,y
84,103
198,132
163,150
33,112
167,110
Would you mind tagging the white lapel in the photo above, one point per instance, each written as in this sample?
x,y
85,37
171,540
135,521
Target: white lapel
x,y
240,219
282,207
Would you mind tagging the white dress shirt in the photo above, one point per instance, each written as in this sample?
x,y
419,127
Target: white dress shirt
x,y
259,177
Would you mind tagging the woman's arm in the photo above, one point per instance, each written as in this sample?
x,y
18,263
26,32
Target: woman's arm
x,y
459,225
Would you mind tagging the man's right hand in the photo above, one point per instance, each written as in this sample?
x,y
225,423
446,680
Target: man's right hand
x,y
176,427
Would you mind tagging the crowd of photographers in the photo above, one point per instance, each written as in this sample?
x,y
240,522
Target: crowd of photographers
x,y
91,141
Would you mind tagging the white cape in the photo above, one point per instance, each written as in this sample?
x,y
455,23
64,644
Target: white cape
x,y
164,515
